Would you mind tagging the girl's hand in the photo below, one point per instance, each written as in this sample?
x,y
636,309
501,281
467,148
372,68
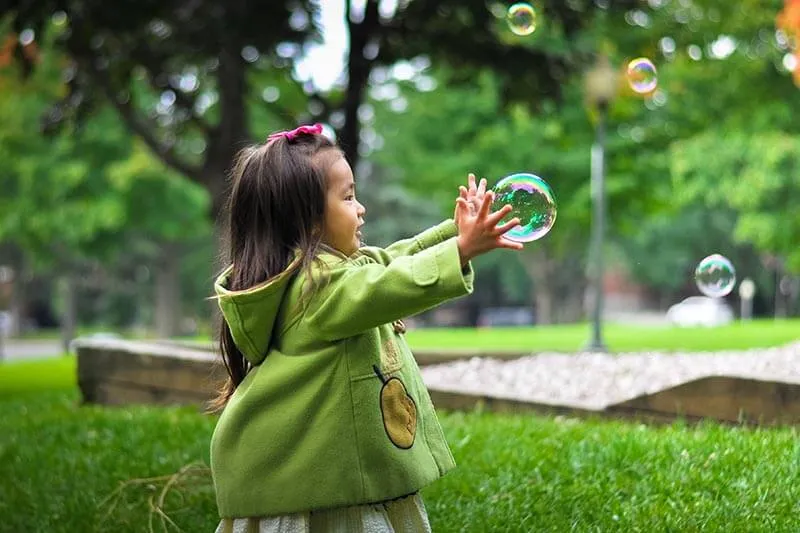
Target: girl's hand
x,y
479,232
474,195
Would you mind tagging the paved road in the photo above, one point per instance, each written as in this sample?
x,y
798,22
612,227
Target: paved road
x,y
15,350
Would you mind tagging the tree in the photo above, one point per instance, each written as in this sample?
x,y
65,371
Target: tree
x,y
168,212
448,132
171,70
204,75
435,137
79,197
758,176
663,255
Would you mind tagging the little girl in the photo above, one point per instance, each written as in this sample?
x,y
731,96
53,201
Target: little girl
x,y
327,425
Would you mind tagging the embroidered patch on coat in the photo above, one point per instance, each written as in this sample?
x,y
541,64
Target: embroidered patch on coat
x,y
399,411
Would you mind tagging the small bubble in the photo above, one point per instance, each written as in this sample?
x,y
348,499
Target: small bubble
x,y
642,76
250,54
521,19
715,276
271,94
26,37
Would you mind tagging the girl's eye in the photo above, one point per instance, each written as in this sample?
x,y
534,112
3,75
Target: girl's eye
x,y
350,197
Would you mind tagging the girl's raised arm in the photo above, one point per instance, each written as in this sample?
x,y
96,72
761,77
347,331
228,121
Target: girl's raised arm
x,y
362,294
430,237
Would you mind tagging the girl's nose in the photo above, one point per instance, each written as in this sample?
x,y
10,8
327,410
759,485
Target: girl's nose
x,y
361,209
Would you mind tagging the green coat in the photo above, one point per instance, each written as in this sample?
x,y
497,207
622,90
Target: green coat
x,y
334,412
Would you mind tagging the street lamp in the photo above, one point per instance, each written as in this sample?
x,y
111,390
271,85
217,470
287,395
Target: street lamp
x,y
601,87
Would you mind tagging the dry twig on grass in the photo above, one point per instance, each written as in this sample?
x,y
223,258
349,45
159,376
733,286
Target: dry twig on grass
x,y
193,475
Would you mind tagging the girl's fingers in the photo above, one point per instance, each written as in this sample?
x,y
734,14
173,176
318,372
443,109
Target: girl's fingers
x,y
462,191
485,206
462,206
471,182
510,245
482,187
508,226
498,215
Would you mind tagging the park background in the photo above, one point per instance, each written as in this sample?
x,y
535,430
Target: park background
x,y
118,123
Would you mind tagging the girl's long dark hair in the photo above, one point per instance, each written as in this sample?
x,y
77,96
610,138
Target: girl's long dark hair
x,y
276,206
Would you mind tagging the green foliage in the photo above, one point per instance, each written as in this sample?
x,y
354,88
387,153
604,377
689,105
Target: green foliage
x,y
159,203
669,245
55,196
85,191
451,131
757,175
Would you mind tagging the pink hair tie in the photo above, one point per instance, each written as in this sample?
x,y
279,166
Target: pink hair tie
x,y
316,129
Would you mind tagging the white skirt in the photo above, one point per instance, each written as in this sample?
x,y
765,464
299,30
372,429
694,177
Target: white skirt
x,y
405,515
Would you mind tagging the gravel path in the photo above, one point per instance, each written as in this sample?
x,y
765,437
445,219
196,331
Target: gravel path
x,y
594,381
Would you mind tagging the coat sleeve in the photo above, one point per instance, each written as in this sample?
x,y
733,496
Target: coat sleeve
x,y
362,294
430,237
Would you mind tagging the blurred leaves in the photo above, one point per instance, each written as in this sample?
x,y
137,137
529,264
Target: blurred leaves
x,y
85,191
758,175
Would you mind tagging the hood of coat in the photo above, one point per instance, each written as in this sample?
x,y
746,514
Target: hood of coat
x,y
251,313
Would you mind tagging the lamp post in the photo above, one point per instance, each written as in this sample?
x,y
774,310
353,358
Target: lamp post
x,y
601,87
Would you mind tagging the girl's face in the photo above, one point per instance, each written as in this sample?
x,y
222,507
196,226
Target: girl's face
x,y
343,214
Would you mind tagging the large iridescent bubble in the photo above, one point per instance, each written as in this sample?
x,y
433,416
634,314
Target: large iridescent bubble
x,y
533,202
715,276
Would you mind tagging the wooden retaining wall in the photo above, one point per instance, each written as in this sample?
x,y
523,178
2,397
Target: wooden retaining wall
x,y
120,372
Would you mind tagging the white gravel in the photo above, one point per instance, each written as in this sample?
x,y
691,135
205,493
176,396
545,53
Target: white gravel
x,y
595,381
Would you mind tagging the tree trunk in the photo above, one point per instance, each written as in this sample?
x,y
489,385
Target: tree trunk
x,y
571,303
18,304
537,265
358,70
558,286
231,134
543,300
69,291
168,294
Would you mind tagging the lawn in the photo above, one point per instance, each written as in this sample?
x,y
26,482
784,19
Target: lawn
x,y
573,337
60,463
619,338
54,374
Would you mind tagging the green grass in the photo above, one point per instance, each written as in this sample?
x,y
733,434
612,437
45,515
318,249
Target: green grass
x,y
52,374
619,338
573,337
59,461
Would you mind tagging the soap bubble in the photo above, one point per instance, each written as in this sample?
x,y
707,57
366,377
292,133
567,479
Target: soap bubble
x,y
642,75
533,202
521,19
715,276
